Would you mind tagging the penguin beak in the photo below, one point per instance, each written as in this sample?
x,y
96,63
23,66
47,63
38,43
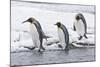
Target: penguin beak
x,y
24,21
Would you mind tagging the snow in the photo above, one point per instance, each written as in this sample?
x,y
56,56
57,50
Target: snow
x,y
20,35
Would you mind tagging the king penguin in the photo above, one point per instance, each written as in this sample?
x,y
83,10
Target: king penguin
x,y
37,33
80,26
63,36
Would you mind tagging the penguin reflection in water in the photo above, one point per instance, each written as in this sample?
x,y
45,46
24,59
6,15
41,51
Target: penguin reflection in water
x,y
63,36
37,34
80,26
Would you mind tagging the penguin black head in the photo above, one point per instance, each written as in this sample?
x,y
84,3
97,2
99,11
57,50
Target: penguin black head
x,y
58,24
30,20
79,16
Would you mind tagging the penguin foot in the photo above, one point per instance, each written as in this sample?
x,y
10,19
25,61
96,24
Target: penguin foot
x,y
39,50
80,38
85,36
60,46
29,48
43,48
66,49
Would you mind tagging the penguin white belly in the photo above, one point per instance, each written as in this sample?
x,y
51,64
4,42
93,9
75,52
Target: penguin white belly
x,y
80,28
35,35
61,37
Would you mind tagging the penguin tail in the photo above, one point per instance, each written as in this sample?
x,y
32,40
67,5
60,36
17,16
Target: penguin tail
x,y
45,37
74,28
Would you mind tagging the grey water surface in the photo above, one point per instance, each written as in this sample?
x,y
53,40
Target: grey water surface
x,y
52,56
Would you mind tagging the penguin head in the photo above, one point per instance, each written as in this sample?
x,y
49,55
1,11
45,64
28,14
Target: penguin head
x,y
30,20
79,16
58,24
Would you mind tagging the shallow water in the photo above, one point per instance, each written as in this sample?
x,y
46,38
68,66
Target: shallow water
x,y
53,56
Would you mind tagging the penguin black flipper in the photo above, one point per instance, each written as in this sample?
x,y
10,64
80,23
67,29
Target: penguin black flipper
x,y
66,36
74,28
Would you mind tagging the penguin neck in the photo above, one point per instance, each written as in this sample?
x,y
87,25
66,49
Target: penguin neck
x,y
77,20
31,24
59,27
